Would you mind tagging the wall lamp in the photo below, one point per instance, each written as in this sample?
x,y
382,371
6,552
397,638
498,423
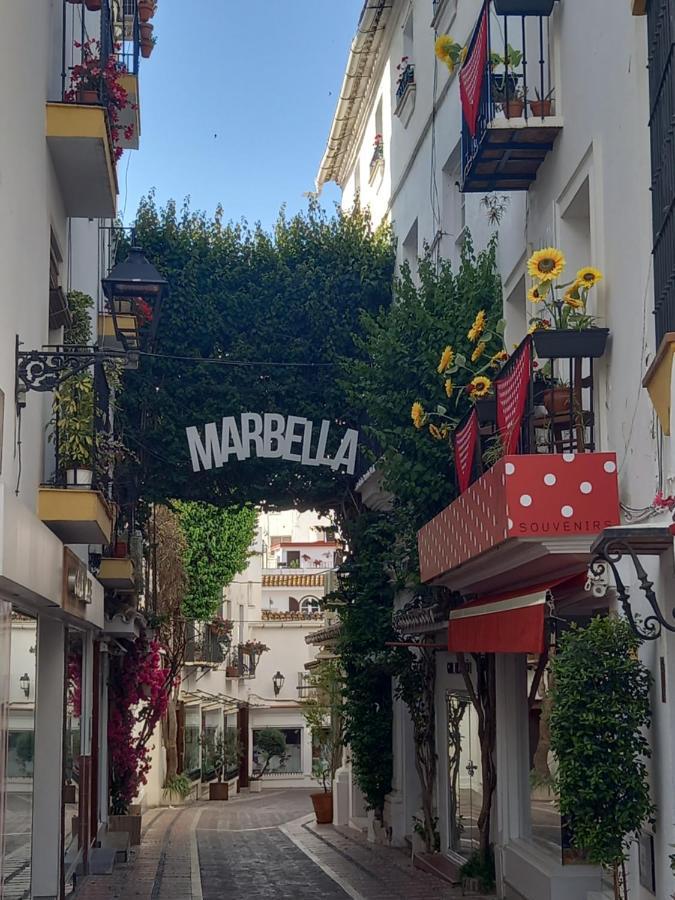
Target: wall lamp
x,y
631,542
278,682
24,681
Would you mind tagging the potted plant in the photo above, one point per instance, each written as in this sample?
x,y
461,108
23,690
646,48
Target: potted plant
x,y
323,712
542,106
514,105
503,85
147,46
574,333
524,7
147,29
176,790
146,10
228,753
270,743
73,418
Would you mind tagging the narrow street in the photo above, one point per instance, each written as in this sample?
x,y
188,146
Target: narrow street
x,y
259,846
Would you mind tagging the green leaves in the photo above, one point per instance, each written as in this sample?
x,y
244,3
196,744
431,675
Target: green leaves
x,y
217,548
599,716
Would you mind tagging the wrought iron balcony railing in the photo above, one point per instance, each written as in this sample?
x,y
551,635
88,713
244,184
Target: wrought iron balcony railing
x,y
406,78
204,645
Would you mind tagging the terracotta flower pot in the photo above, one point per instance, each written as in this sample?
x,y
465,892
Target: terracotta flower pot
x,y
232,672
219,790
121,549
146,10
146,31
323,807
93,5
514,109
541,108
88,97
557,401
146,49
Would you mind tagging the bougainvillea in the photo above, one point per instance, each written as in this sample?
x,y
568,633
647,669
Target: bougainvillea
x,y
138,696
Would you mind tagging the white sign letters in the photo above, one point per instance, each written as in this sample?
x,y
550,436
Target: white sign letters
x,y
269,436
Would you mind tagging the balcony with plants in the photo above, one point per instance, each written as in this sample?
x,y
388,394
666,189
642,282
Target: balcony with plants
x,y
405,90
76,501
533,489
207,644
509,116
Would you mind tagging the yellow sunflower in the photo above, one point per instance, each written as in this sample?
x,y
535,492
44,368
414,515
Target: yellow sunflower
x,y
447,358
539,325
478,352
418,415
449,387
588,277
448,51
546,264
478,327
479,387
499,357
535,294
571,296
436,433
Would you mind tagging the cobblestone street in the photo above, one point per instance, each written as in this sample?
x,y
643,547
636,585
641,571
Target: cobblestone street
x,y
259,846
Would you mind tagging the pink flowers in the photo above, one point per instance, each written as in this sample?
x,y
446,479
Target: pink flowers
x,y
138,697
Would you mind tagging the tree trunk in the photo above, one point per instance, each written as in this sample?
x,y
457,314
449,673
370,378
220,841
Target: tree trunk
x,y
169,736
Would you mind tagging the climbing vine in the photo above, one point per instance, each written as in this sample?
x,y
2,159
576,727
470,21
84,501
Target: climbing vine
x,y
217,542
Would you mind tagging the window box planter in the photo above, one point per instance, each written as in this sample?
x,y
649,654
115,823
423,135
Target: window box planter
x,y
255,785
130,823
554,343
524,7
487,410
219,790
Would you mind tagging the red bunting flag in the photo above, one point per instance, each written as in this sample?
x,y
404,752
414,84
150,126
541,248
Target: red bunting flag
x,y
472,72
465,448
512,395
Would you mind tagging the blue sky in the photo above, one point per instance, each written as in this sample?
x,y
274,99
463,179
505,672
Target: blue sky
x,y
236,104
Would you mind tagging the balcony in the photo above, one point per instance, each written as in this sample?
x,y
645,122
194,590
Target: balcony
x,y
204,647
515,125
405,93
79,142
118,574
76,516
530,516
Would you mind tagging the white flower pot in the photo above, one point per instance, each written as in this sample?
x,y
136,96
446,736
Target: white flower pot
x,y
255,786
79,478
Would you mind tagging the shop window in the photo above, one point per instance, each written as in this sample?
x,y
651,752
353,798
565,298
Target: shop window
x,y
291,763
72,748
191,741
18,672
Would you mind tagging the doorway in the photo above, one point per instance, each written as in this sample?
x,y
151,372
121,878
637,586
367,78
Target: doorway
x,y
465,787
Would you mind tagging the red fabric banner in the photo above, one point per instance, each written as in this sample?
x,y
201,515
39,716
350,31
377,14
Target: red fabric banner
x,y
511,397
465,448
519,630
472,72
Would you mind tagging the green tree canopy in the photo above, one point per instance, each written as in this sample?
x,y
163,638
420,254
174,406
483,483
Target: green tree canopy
x,y
276,302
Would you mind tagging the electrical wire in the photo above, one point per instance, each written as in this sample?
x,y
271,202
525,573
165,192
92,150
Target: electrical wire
x,y
212,360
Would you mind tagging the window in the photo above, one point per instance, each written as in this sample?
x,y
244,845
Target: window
x,y
191,757
310,605
408,37
291,763
409,250
293,559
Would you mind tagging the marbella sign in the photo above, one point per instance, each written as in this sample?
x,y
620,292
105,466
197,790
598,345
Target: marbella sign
x,y
269,436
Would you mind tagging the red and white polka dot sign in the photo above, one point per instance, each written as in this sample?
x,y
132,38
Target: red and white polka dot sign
x,y
538,495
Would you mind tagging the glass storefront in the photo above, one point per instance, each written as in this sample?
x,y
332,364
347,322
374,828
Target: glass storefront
x,y
18,677
192,740
291,764
72,746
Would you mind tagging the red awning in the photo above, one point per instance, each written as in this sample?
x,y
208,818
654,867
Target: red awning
x,y
510,625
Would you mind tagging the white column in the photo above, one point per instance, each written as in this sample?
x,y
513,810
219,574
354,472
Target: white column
x,y
47,847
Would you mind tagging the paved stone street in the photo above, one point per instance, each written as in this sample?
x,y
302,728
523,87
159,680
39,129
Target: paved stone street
x,y
259,846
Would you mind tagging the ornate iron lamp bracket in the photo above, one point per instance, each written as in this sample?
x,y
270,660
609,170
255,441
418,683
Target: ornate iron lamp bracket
x,y
43,370
651,627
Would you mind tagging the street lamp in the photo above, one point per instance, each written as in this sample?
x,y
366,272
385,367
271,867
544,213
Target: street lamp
x,y
133,280
278,682
24,681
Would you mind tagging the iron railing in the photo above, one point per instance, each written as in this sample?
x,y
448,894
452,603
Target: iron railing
x,y
203,645
504,90
406,78
559,412
661,45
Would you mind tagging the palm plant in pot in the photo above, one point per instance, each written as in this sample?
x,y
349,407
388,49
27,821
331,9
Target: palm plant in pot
x,y
570,331
270,744
323,712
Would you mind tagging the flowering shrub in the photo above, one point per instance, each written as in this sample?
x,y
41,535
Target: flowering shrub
x,y
75,683
104,78
138,698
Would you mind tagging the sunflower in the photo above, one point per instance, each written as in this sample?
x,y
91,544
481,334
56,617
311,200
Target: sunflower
x,y
499,357
480,387
436,433
418,415
588,277
571,296
449,387
478,352
447,358
539,325
478,327
448,51
546,264
535,294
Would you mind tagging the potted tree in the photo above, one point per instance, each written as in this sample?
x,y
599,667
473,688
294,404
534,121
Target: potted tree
x,y
574,333
228,752
322,709
270,743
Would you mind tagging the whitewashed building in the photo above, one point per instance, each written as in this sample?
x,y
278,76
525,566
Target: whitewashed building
x,y
578,178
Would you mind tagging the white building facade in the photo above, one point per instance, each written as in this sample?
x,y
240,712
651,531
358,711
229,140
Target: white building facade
x,y
578,178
